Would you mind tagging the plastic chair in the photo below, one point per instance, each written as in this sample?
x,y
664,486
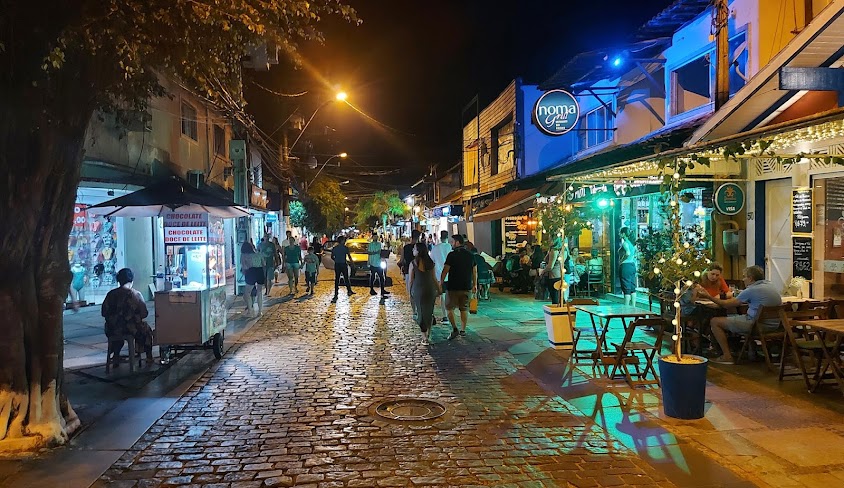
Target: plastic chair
x,y
111,353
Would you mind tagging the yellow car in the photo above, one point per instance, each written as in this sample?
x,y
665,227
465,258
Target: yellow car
x,y
359,248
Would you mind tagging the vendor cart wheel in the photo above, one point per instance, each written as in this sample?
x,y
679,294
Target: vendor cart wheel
x,y
217,345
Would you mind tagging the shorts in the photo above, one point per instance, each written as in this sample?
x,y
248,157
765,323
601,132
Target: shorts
x,y
739,324
458,299
628,278
310,276
254,275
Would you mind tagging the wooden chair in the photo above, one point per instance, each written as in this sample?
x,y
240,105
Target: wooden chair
x,y
691,325
111,353
633,353
584,354
805,347
759,331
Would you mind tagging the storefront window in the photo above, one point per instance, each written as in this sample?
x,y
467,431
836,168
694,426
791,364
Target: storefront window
x,y
95,248
829,236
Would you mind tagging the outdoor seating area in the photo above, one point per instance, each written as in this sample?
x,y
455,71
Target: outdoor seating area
x,y
623,342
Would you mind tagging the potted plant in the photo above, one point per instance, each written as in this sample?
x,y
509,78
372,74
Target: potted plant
x,y
559,319
682,376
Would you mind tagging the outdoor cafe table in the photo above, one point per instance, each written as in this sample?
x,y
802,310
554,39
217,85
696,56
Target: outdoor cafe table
x,y
787,299
604,314
832,357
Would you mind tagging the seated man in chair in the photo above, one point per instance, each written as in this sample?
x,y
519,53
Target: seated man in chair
x,y
758,293
124,311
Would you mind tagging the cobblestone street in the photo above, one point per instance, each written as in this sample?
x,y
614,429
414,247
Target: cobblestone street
x,y
292,404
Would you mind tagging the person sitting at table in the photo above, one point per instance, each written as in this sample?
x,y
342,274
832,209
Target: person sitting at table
x,y
712,280
758,293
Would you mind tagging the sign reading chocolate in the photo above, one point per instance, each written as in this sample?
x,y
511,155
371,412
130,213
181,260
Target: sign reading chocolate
x,y
556,112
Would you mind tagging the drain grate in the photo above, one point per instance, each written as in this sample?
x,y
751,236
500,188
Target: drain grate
x,y
410,410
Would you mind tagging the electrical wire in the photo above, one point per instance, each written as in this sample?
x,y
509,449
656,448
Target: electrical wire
x,y
286,95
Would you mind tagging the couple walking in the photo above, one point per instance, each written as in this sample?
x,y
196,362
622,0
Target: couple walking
x,y
424,284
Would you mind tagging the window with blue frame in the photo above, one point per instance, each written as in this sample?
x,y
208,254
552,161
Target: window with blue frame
x,y
595,128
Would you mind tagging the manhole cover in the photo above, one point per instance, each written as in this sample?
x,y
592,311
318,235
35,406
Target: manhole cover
x,y
410,409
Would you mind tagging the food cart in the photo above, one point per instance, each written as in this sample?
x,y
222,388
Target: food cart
x,y
190,312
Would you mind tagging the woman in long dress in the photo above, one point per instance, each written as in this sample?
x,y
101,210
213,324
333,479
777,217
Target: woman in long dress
x,y
424,288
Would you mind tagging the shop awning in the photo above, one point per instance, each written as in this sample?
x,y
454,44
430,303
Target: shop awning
x,y
760,101
513,203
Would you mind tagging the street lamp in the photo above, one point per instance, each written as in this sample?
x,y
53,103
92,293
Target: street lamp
x,y
342,155
339,97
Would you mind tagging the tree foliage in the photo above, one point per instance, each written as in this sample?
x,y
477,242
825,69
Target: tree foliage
x,y
59,63
324,206
298,214
384,206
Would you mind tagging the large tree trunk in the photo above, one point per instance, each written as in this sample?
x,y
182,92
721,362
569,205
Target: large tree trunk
x,y
41,143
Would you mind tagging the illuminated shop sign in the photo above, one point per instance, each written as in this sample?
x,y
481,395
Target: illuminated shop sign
x,y
556,112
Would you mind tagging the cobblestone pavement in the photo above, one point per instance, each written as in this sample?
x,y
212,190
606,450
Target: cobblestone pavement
x,y
292,405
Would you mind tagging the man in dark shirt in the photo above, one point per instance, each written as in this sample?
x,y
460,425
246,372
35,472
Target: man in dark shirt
x,y
462,280
407,258
342,259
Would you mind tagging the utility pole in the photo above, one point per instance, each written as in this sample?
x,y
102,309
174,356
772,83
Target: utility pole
x,y
720,29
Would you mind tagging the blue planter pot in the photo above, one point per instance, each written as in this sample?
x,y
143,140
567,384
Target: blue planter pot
x,y
683,388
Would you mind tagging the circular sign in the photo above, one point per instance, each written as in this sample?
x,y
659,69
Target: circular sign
x,y
729,199
556,112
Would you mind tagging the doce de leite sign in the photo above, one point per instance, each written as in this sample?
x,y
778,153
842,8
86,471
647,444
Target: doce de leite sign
x,y
185,228
556,112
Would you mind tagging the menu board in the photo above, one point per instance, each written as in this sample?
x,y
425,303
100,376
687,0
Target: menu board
x,y
515,231
801,211
802,257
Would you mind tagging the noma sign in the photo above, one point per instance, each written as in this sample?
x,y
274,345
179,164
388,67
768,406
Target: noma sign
x,y
556,112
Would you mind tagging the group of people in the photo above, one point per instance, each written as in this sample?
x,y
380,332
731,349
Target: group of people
x,y
722,316
447,270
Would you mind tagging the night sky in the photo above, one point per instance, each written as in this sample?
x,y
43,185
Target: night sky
x,y
413,66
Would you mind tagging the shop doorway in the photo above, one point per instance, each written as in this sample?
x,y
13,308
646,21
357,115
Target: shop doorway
x,y
778,231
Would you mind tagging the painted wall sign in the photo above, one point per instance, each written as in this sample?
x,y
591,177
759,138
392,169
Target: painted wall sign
x,y
801,211
556,112
729,199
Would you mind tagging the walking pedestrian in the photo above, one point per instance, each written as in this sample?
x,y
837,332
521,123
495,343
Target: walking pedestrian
x,y
317,244
407,258
267,250
311,270
424,288
439,254
251,264
292,264
277,258
462,280
342,260
375,268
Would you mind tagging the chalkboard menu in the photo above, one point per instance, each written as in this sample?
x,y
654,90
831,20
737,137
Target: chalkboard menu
x,y
802,257
801,211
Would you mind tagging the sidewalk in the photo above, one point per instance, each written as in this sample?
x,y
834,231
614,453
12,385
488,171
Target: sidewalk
x,y
755,428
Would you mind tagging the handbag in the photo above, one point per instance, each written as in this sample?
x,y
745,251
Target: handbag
x,y
473,304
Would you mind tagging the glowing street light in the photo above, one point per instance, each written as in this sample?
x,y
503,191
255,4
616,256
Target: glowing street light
x,y
342,155
339,97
